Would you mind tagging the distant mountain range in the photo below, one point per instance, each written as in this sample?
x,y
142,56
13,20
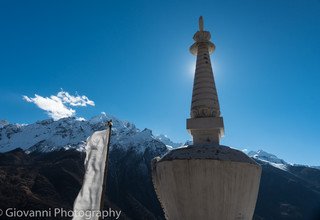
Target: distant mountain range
x,y
71,133
41,166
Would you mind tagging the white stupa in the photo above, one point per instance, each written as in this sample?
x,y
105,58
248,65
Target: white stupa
x,y
206,180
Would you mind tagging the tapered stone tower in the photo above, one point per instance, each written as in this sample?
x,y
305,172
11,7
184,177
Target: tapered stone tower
x,y
205,124
206,180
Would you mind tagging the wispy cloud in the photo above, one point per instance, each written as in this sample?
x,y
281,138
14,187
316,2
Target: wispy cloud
x,y
59,106
74,100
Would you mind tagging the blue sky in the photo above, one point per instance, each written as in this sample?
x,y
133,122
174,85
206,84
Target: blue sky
x,y
131,58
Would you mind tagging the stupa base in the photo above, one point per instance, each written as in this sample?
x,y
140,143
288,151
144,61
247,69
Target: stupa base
x,y
206,183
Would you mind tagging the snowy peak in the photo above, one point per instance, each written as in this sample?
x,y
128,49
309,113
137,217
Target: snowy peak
x,y
265,156
45,135
102,118
164,139
118,125
269,159
3,123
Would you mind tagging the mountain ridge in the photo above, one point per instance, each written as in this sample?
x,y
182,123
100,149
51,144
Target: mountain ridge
x,y
70,133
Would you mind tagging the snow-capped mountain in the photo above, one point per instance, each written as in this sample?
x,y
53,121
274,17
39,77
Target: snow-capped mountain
x,y
164,139
269,158
265,156
3,123
49,135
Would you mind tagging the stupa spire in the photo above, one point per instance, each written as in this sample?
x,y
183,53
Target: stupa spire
x,y
206,124
201,25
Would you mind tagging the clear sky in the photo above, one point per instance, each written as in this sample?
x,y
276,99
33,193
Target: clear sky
x,y
131,58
